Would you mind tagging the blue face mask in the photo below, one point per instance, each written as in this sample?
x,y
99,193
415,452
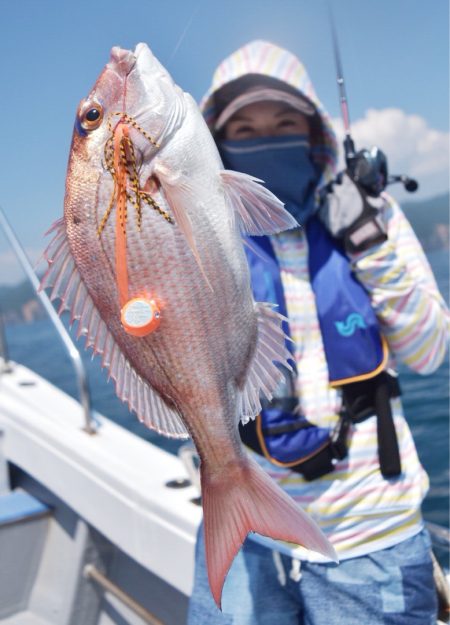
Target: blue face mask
x,y
284,163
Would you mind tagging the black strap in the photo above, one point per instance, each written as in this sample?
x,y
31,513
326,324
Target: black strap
x,y
361,400
373,396
388,451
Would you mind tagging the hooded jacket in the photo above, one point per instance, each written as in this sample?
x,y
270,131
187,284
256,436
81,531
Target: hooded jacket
x,y
357,508
260,60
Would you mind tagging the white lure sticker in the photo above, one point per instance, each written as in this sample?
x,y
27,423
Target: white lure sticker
x,y
140,316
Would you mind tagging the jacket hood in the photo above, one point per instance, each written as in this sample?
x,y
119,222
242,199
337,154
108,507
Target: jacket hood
x,y
261,61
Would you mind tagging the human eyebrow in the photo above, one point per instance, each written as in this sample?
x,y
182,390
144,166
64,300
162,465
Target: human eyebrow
x,y
286,110
240,118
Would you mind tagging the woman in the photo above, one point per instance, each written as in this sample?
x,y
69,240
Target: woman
x,y
359,295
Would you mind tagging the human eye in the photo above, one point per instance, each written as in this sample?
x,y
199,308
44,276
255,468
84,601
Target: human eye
x,y
240,131
292,124
286,123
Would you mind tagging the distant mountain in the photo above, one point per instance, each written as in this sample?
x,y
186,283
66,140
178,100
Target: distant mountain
x,y
429,218
19,303
13,296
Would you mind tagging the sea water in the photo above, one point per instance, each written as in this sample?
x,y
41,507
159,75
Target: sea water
x,y
425,398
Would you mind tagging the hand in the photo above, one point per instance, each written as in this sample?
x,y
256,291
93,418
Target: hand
x,y
350,214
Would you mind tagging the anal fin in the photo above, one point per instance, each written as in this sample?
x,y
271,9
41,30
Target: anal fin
x,y
263,374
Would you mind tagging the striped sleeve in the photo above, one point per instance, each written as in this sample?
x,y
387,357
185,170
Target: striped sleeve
x,y
412,313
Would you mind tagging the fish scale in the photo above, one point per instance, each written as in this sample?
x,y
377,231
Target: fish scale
x,y
202,366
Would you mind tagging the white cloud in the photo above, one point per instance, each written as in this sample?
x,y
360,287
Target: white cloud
x,y
411,146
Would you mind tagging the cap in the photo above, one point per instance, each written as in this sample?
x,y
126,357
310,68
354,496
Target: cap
x,y
263,94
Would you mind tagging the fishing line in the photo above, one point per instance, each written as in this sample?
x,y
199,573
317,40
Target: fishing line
x,y
184,33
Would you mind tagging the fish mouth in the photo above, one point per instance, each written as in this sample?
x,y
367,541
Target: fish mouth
x,y
122,61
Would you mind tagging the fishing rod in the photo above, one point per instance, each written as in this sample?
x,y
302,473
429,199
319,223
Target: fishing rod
x,y
367,167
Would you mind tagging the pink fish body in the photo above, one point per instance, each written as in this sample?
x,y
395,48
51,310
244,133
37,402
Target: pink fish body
x,y
151,216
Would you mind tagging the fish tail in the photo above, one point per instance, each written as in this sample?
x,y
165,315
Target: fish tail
x,y
244,500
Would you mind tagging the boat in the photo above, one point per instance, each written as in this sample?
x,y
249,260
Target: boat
x,y
97,525
88,518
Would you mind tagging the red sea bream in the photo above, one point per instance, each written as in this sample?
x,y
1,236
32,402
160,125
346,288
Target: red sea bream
x,y
149,259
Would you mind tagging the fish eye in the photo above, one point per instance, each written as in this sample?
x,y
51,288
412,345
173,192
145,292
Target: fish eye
x,y
92,116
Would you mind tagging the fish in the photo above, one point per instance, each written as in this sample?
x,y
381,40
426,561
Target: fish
x,y
148,258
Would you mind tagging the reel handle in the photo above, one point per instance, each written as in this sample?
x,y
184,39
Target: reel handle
x,y
411,185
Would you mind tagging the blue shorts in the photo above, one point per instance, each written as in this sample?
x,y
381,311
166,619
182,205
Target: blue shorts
x,y
393,586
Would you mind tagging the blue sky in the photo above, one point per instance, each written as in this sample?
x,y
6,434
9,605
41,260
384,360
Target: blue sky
x,y
395,55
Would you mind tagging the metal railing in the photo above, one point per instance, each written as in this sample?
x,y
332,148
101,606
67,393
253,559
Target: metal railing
x,y
92,573
4,353
80,372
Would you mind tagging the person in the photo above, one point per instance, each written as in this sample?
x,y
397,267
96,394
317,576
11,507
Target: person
x,y
359,295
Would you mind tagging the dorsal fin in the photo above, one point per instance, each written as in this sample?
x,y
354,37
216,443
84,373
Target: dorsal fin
x,y
63,277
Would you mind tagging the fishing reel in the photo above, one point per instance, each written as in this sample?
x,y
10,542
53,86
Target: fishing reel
x,y
370,170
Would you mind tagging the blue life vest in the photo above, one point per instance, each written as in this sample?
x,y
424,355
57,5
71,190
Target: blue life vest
x,y
353,346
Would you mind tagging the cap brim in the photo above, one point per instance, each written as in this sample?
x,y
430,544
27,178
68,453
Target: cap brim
x,y
263,94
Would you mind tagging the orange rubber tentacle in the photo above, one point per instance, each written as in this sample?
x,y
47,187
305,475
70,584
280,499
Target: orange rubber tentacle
x,y
141,315
121,207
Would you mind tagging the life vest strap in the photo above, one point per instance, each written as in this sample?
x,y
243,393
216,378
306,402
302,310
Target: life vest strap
x,y
360,401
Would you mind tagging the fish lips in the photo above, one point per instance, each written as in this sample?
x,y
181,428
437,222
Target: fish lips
x,y
146,96
121,61
135,89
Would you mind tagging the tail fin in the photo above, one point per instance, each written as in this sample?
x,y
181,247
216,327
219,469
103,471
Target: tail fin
x,y
247,500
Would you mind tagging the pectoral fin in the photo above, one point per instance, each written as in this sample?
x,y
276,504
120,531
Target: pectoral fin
x,y
179,193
